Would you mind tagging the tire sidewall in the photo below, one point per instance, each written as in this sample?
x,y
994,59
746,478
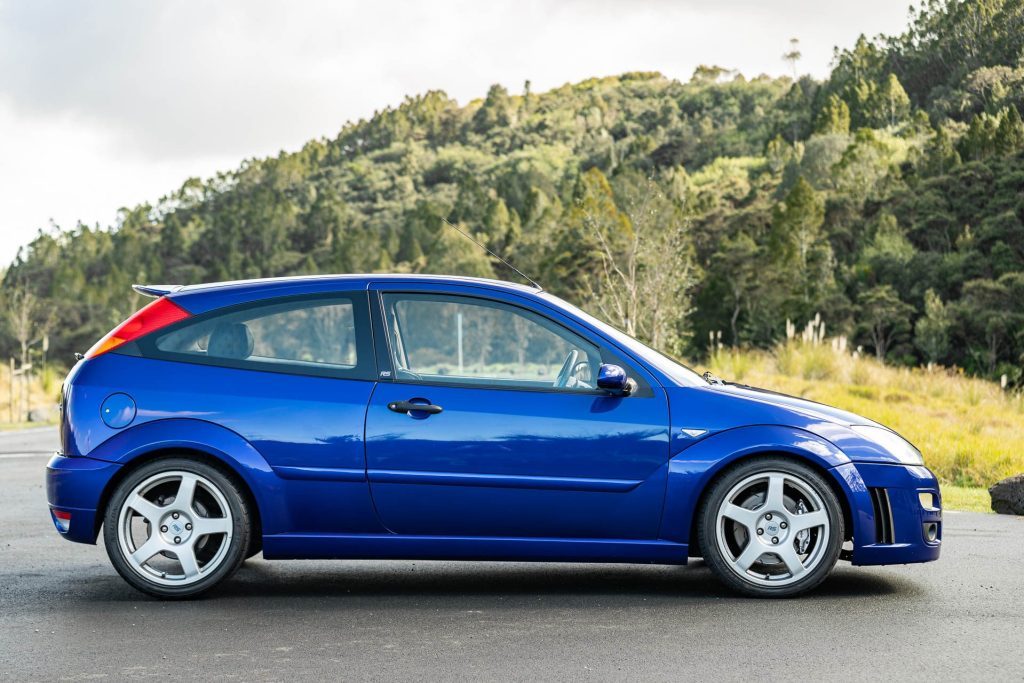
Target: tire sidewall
x,y
721,565
240,535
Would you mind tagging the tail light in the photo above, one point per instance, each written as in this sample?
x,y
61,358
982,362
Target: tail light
x,y
156,315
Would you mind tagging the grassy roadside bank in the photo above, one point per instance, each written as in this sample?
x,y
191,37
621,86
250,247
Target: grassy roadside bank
x,y
969,430
41,393
967,499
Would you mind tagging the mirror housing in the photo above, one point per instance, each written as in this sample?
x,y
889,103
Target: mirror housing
x,y
614,380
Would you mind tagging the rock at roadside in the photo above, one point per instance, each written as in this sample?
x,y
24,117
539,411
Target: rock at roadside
x,y
1008,495
40,415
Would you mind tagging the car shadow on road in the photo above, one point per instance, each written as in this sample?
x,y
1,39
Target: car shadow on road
x,y
447,580
397,584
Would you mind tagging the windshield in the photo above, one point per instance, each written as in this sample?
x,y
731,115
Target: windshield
x,y
678,373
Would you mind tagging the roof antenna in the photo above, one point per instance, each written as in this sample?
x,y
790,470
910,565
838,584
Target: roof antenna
x,y
470,238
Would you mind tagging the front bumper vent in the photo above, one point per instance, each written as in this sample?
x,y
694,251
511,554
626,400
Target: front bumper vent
x,y
883,516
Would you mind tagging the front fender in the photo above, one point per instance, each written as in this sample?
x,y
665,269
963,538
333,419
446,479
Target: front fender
x,y
691,470
216,441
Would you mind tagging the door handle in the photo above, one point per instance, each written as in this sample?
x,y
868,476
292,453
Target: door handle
x,y
409,406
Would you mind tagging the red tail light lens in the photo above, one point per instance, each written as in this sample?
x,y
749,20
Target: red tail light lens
x,y
158,314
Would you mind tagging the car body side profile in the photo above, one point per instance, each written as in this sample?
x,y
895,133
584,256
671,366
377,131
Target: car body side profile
x,y
430,417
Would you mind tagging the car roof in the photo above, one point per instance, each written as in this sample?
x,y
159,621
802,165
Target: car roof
x,y
361,278
199,298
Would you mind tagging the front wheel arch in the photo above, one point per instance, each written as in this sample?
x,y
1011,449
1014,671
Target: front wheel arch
x,y
743,500
694,548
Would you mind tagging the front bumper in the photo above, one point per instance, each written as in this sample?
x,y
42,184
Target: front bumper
x,y
896,513
74,490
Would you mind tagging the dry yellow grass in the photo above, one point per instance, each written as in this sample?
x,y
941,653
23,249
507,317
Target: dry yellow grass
x,y
43,393
970,431
969,499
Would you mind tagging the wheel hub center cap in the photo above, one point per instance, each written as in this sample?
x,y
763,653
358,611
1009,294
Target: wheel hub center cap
x,y
775,528
176,528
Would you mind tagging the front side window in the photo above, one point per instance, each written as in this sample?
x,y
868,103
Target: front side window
x,y
462,340
318,336
673,369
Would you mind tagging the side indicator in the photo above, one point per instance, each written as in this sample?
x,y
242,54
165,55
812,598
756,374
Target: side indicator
x,y
61,520
693,433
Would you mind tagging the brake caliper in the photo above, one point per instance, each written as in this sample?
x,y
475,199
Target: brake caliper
x,y
803,538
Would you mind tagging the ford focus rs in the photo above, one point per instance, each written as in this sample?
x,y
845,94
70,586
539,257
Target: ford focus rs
x,y
453,418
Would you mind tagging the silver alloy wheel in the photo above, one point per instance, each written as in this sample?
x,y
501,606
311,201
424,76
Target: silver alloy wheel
x,y
772,528
167,530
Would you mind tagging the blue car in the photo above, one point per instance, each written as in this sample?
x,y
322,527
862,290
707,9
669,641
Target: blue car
x,y
428,417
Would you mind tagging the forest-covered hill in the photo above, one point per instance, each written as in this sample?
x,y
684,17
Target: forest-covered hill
x,y
888,198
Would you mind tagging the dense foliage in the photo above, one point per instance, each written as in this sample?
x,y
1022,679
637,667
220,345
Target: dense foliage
x,y
888,198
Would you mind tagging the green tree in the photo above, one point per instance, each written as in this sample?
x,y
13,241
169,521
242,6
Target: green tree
x,y
941,154
884,316
834,116
453,254
889,253
1009,135
793,54
737,261
496,111
894,100
991,317
931,333
800,246
979,140
641,269
576,256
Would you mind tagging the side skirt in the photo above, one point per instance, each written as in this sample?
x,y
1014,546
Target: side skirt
x,y
395,547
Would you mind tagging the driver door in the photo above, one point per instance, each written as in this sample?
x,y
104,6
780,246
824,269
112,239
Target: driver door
x,y
513,439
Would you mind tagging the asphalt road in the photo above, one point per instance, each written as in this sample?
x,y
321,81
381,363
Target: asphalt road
x,y
65,614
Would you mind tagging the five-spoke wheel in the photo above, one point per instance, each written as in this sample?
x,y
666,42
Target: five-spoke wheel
x,y
176,527
771,527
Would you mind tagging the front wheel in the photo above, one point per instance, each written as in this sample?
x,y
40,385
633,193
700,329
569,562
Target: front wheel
x,y
771,527
175,527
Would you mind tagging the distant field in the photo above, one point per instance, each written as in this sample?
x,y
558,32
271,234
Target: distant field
x,y
43,392
970,431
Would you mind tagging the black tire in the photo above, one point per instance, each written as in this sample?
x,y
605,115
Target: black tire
x,y
238,546
255,547
722,565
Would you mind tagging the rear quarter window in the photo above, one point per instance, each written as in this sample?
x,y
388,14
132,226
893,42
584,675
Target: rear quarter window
x,y
320,336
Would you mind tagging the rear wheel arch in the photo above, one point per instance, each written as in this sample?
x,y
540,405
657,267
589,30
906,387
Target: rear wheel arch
x,y
210,442
189,453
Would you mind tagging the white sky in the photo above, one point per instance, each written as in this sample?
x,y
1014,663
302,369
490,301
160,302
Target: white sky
x,y
109,105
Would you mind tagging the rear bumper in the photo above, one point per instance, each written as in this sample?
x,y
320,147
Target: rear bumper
x,y
896,511
75,486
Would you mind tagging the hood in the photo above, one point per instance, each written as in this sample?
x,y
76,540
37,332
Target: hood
x,y
698,412
802,406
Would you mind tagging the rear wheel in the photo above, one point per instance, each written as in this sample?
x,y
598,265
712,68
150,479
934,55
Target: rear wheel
x,y
176,527
772,527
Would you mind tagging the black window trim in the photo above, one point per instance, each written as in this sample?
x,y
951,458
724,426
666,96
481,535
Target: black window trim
x,y
386,365
365,369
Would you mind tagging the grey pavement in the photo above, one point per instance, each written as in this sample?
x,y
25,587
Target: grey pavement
x,y
66,615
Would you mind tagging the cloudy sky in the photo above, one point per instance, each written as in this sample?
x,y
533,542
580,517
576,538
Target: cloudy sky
x,y
104,105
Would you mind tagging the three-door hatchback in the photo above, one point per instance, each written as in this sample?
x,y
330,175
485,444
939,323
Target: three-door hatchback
x,y
454,418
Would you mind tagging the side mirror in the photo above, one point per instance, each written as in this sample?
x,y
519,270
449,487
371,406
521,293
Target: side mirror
x,y
614,380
